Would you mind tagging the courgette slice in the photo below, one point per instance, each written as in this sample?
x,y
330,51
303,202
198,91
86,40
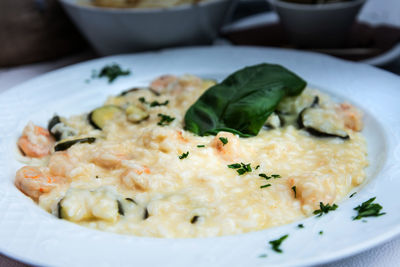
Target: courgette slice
x,y
99,117
59,130
274,121
320,123
53,122
60,209
136,114
67,144
121,210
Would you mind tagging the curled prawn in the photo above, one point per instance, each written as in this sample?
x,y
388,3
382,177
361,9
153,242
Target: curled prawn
x,y
227,145
352,116
35,142
163,83
135,176
33,182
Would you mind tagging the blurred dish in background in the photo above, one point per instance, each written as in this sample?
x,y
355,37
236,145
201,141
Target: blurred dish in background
x,y
142,3
317,24
374,39
123,30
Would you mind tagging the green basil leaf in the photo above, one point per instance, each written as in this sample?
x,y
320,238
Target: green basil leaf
x,y
243,101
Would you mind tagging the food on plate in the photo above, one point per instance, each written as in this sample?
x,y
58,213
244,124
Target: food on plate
x,y
190,157
143,3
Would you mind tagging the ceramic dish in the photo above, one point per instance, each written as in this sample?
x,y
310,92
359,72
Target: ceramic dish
x,y
123,30
31,235
377,56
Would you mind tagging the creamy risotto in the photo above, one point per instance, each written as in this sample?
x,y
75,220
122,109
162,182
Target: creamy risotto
x,y
130,167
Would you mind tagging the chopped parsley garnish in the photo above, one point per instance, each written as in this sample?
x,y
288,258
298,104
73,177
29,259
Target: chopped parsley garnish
x,y
156,103
262,256
300,225
266,185
241,168
112,72
165,119
142,100
266,177
234,166
321,232
224,140
325,209
184,155
263,175
258,166
368,209
275,244
352,195
153,103
201,146
294,190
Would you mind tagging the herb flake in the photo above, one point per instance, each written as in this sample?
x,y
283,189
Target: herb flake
x,y
223,140
241,168
156,103
300,225
325,209
352,195
275,244
165,119
184,155
201,146
368,209
112,72
266,185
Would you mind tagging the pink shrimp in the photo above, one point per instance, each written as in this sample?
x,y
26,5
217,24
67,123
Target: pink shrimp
x,y
163,82
35,142
228,150
34,182
352,116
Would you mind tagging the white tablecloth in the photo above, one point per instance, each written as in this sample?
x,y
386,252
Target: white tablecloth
x,y
386,255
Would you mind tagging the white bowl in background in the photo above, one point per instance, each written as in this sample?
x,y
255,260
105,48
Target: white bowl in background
x,y
317,25
124,30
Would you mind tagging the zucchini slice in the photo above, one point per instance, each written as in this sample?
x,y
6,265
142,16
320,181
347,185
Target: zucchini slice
x,y
67,144
321,123
100,116
60,209
136,114
274,121
121,210
59,130
53,122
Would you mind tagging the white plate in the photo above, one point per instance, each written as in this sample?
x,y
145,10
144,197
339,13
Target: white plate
x,y
29,234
